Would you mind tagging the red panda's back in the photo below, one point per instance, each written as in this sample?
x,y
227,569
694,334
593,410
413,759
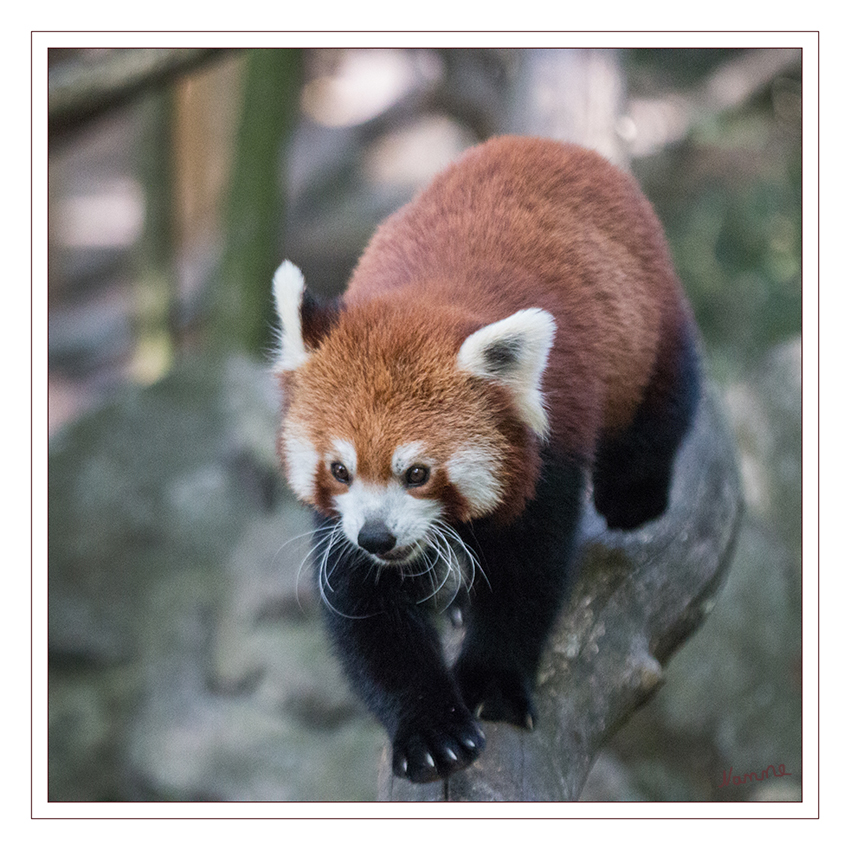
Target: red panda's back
x,y
521,222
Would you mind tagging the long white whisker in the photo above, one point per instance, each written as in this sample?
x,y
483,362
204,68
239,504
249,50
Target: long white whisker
x,y
461,580
435,589
420,557
446,558
442,553
333,539
324,575
322,565
320,536
474,563
292,540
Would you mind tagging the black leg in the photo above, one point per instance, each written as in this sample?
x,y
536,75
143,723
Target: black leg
x,y
393,658
527,570
632,470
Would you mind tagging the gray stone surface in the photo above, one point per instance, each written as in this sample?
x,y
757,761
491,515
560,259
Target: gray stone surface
x,y
186,659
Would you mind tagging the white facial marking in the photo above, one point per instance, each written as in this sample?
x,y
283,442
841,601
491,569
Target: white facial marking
x,y
288,289
513,352
345,453
301,462
407,517
408,454
472,470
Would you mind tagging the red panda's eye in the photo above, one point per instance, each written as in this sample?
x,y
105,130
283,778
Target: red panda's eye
x,y
416,476
340,473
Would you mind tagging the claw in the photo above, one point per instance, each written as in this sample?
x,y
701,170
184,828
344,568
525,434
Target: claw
x,y
529,722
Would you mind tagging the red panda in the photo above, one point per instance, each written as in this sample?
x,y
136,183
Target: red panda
x,y
514,331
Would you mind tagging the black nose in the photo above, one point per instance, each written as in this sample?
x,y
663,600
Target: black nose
x,y
376,538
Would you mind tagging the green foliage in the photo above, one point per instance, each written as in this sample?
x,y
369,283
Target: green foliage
x,y
730,200
654,70
242,316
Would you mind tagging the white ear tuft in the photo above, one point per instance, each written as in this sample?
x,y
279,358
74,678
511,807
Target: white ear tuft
x,y
513,353
288,289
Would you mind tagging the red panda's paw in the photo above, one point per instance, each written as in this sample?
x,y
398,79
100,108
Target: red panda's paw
x,y
428,751
498,696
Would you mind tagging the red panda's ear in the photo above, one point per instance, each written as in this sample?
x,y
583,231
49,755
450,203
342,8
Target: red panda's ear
x,y
513,353
288,289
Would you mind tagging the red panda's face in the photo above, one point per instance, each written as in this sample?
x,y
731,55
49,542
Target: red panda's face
x,y
393,514
399,422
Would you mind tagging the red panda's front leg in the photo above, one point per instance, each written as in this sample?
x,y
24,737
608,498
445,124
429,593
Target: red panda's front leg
x,y
527,569
392,655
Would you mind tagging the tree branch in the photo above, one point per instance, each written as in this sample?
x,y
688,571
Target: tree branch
x,y
85,86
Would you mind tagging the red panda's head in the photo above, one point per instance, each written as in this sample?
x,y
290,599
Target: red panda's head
x,y
398,417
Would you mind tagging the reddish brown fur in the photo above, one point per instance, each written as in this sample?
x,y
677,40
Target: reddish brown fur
x,y
535,223
513,224
387,376
396,385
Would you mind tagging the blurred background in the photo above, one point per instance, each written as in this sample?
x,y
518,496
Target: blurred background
x,y
185,656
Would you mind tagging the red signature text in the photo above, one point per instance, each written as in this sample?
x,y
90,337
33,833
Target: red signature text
x,y
730,779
